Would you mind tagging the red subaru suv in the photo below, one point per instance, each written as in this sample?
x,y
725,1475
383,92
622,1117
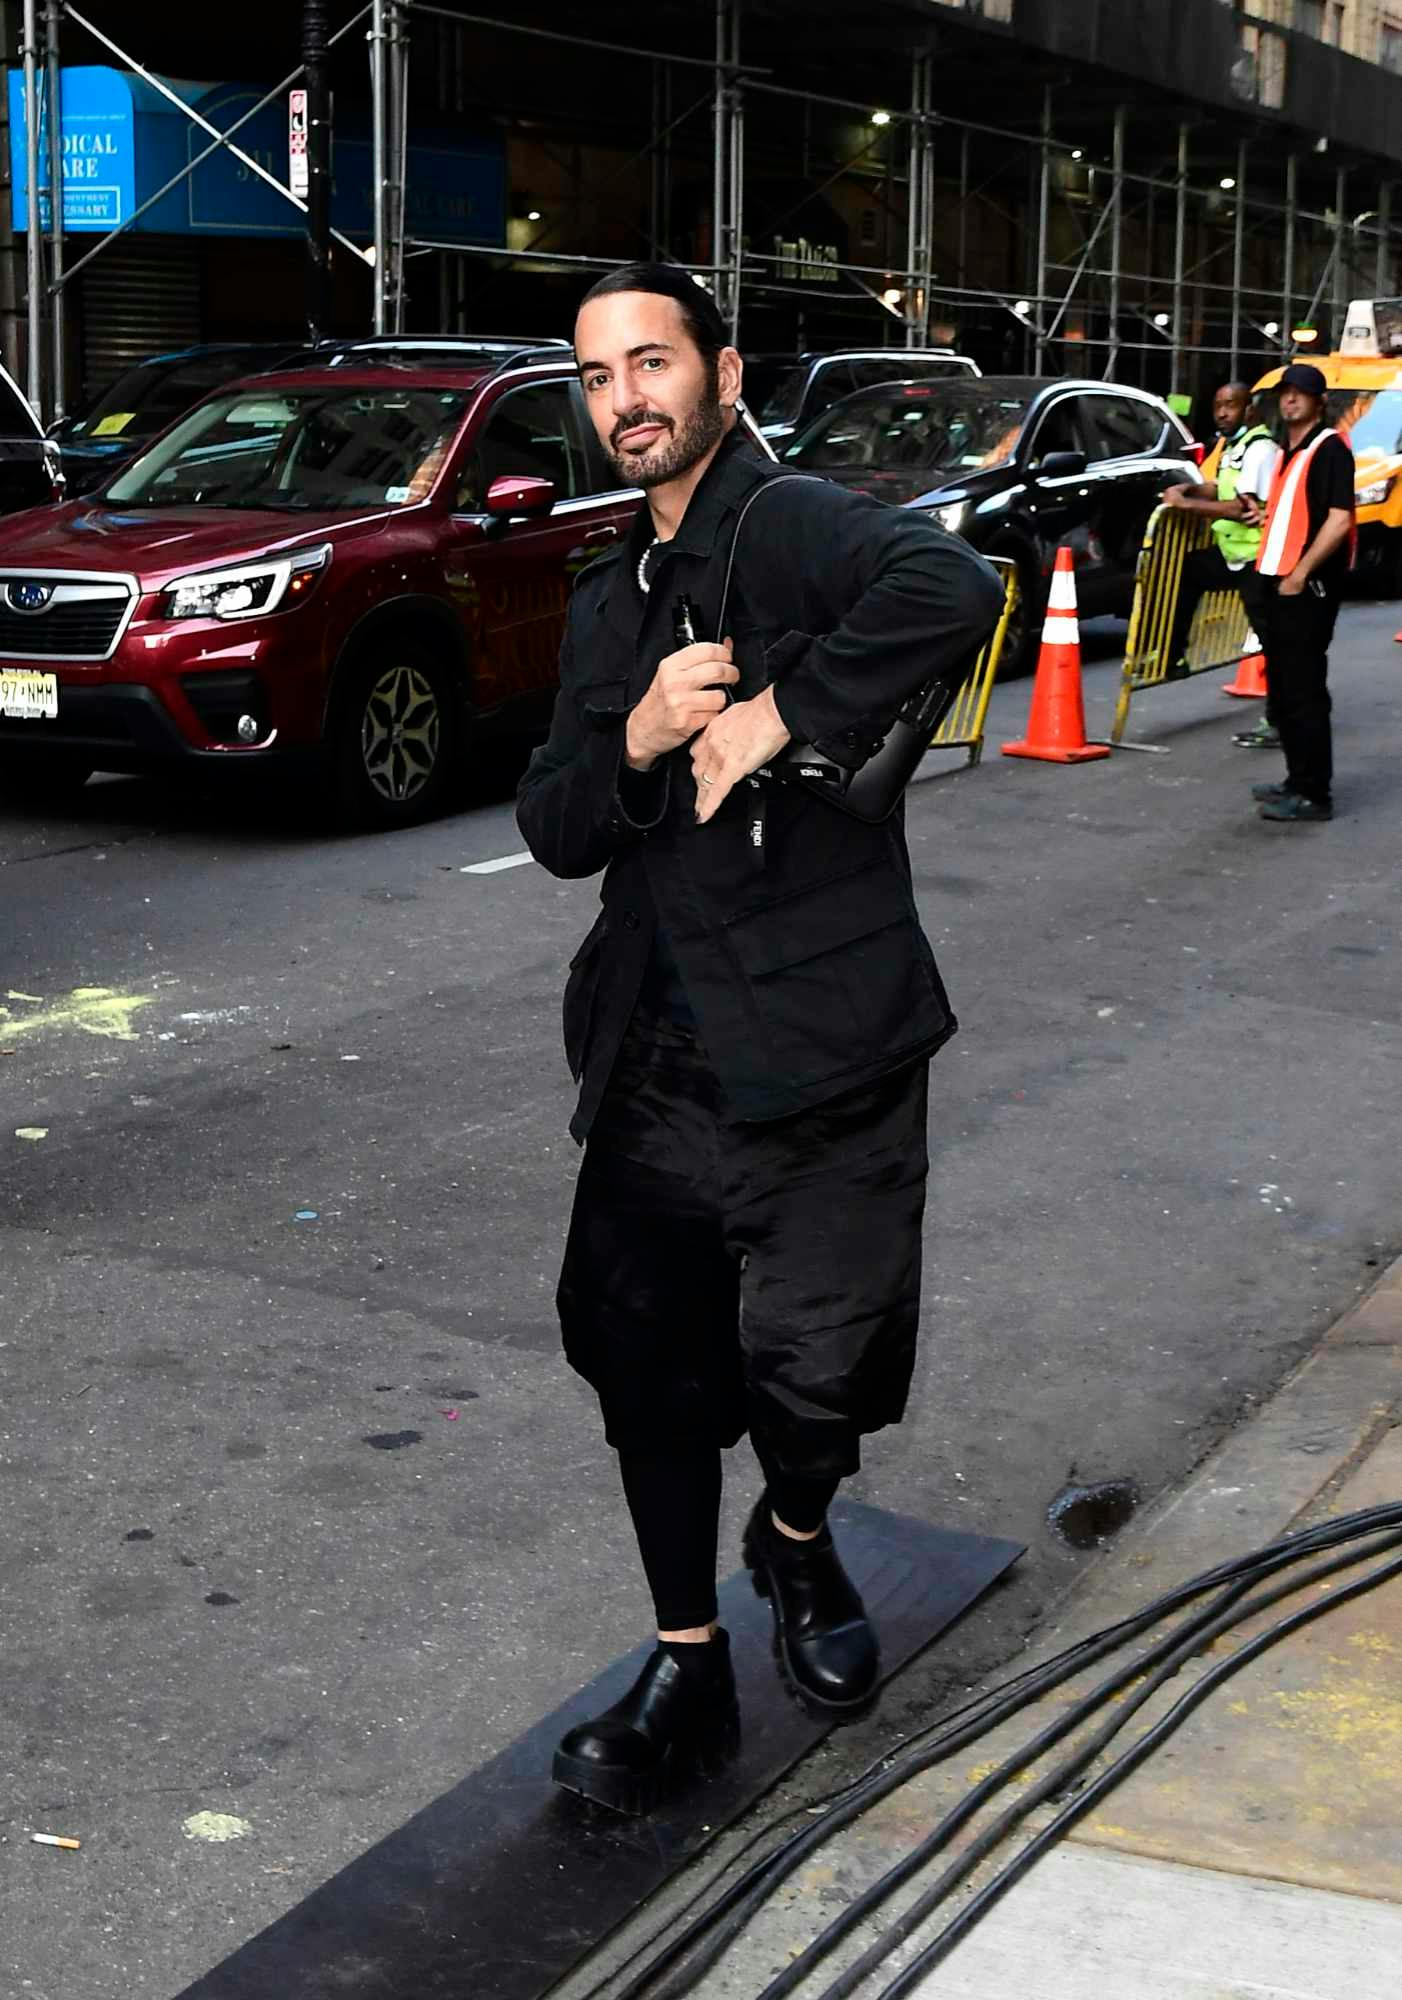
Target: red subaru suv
x,y
360,561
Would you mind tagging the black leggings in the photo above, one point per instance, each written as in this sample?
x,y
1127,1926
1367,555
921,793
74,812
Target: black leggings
x,y
674,1499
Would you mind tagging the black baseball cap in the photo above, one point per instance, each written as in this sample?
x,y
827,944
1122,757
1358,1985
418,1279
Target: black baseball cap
x,y
1303,375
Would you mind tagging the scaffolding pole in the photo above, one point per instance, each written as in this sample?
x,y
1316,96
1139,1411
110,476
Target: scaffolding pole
x,y
1287,306
1382,276
1340,253
963,209
1238,254
397,134
379,159
1180,246
52,14
919,250
728,166
34,242
1116,242
1043,226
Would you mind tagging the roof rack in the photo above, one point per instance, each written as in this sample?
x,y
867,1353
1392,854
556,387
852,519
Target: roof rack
x,y
423,350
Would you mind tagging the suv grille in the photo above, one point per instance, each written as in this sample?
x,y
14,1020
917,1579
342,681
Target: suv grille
x,y
80,618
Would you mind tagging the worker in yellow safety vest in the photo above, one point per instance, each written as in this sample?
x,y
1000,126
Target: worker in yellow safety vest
x,y
1246,465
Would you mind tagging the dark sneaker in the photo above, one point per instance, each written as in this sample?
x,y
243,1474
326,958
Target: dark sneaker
x,y
1293,807
826,1647
1260,738
673,1721
1264,792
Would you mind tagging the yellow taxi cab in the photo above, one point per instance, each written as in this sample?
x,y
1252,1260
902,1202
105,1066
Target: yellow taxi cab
x,y
1364,380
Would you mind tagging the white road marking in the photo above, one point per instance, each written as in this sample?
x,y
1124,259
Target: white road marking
x,y
495,867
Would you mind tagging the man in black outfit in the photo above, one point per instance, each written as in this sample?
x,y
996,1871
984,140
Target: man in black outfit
x,y
1306,549
750,1018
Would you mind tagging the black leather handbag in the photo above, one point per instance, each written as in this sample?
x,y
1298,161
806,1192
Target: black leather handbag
x,y
871,792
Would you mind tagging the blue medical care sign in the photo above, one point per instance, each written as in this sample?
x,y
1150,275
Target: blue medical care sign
x,y
123,141
99,151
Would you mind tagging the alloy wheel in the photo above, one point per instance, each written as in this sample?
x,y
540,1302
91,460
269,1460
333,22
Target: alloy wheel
x,y
400,733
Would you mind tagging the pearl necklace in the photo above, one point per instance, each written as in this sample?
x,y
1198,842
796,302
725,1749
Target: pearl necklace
x,y
643,584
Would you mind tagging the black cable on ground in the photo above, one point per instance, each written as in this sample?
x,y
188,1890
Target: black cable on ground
x,y
708,1934
1051,1785
939,1947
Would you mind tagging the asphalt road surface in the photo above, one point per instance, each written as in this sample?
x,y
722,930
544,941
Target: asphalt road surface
x,y
304,1518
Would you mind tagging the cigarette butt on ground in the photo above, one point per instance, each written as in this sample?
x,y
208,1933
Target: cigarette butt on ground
x,y
54,1840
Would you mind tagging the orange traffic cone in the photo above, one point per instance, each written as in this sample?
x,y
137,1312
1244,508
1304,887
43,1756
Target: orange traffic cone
x,y
1056,726
1250,682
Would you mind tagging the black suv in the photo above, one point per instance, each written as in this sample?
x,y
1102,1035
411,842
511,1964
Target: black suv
x,y
101,438
786,392
30,475
1016,465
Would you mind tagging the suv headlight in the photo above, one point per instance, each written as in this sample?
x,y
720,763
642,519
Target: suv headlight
x,y
953,516
1373,495
249,591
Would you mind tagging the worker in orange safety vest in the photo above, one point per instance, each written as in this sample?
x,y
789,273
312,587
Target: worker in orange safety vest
x,y
1306,549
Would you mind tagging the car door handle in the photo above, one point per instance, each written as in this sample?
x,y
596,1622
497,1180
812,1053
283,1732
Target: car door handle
x,y
596,536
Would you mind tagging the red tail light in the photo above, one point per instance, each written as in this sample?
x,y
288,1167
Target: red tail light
x,y
1197,452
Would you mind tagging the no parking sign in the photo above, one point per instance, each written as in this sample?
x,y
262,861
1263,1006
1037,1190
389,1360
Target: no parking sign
x,y
298,175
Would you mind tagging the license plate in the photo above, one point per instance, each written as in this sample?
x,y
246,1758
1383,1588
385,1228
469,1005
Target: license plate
x,y
27,696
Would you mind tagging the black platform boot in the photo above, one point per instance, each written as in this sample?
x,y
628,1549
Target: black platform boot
x,y
675,1719
823,1637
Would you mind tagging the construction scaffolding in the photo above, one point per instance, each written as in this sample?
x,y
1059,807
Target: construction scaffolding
x,y
1078,235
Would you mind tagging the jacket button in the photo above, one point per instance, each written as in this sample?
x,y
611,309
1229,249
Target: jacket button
x,y
631,920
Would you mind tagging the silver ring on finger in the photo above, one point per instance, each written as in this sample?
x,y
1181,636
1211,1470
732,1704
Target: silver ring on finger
x,y
706,780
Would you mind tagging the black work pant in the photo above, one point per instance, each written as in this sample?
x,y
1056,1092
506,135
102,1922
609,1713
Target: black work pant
x,y
1206,570
722,1277
1296,632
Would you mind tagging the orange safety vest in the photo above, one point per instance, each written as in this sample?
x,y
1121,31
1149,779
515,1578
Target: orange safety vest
x,y
1286,533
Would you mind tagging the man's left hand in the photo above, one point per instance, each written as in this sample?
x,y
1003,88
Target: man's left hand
x,y
1292,585
733,745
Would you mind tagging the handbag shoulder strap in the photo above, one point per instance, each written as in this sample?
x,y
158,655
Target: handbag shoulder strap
x,y
764,486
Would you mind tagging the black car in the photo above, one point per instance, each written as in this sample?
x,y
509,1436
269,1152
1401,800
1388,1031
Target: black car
x,y
786,392
29,464
1017,465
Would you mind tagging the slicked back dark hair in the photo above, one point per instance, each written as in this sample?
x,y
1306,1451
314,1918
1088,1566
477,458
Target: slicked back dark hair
x,y
671,281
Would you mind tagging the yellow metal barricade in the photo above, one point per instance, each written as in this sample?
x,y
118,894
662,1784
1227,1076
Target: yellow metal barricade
x,y
962,728
1217,636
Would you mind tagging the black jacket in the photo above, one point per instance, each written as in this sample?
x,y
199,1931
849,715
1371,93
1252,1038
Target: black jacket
x,y
804,962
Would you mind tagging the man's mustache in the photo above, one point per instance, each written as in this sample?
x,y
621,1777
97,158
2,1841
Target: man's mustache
x,y
634,420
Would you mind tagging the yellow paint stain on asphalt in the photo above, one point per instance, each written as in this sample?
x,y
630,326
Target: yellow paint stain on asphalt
x,y
1373,1642
95,1010
1365,1721
216,1826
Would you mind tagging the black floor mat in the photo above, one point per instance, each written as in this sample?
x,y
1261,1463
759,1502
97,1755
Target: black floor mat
x,y
497,1888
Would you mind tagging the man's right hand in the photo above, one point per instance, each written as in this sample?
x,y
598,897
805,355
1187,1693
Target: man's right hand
x,y
684,695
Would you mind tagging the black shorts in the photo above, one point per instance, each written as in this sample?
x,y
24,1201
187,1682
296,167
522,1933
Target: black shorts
x,y
722,1276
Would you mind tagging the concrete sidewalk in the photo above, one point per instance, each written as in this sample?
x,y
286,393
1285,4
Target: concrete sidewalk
x,y
1259,1851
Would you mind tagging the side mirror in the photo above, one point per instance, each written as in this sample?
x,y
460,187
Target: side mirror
x,y
511,494
1062,465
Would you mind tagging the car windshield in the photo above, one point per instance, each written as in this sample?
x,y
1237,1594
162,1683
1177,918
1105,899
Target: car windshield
x,y
145,399
774,390
322,447
904,427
